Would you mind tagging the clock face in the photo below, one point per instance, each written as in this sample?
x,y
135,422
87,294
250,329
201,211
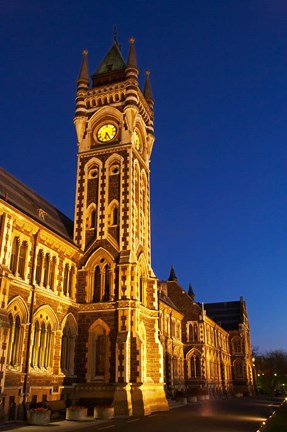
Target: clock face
x,y
106,132
137,140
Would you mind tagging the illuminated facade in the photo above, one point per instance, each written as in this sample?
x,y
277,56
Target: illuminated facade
x,y
213,355
81,316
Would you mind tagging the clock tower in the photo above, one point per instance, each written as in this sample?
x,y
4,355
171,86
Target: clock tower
x,y
119,355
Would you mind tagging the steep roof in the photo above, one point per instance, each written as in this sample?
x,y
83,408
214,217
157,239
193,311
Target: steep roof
x,y
112,61
165,299
112,67
227,314
182,300
33,205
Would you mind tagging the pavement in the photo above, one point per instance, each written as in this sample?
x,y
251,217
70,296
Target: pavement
x,y
61,425
55,425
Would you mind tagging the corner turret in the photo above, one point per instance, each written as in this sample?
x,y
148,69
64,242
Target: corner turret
x,y
147,90
83,80
172,275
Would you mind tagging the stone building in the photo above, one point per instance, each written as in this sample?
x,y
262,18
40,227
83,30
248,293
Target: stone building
x,y
81,312
214,353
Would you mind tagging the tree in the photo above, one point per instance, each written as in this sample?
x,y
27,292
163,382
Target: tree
x,y
271,371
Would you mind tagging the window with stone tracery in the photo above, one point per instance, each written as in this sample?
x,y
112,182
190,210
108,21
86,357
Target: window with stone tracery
x,y
18,257
195,332
52,273
14,355
194,365
46,270
39,264
69,280
22,259
113,214
18,315
91,218
42,345
14,255
98,359
190,332
102,283
68,347
100,351
237,345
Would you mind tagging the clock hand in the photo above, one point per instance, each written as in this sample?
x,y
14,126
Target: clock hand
x,y
107,136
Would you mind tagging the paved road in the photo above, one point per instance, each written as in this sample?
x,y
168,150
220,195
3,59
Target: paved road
x,y
231,415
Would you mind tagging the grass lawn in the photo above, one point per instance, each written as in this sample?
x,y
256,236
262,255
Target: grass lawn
x,y
278,422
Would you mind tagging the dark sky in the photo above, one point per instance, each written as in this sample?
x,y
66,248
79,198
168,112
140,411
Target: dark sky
x,y
218,168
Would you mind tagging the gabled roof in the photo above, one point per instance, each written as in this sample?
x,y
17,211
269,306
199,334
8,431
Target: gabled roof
x,y
33,205
227,314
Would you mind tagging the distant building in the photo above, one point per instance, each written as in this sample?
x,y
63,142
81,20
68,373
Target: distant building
x,y
82,315
207,347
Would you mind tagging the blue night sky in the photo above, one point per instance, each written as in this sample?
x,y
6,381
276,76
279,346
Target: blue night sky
x,y
218,168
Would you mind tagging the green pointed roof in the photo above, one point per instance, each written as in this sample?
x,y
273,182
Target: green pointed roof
x,y
113,61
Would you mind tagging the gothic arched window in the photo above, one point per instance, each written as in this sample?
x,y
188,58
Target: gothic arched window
x,y
68,347
22,259
190,332
14,341
66,277
46,270
39,264
52,273
42,345
71,282
237,345
107,283
98,361
195,367
195,332
14,255
97,284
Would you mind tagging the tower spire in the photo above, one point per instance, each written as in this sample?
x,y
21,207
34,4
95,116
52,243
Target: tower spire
x,y
172,275
147,89
132,61
132,67
191,292
83,80
115,33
